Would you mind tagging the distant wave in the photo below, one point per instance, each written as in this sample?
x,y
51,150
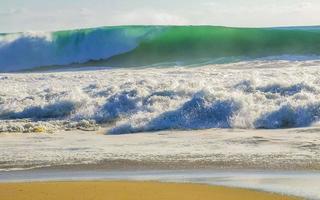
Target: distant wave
x,y
136,46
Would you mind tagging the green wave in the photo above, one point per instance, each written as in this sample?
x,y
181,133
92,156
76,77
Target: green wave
x,y
132,46
194,44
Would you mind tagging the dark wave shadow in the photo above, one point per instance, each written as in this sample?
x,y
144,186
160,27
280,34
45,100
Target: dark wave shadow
x,y
289,117
198,113
56,110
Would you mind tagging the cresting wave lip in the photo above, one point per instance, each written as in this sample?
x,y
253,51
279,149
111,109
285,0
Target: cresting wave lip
x,y
136,46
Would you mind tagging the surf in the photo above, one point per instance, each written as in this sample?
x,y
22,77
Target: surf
x,y
246,95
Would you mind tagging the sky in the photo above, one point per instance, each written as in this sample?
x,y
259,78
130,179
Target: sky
x,y
46,15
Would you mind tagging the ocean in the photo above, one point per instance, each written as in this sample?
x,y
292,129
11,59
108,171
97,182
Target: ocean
x,y
149,78
217,105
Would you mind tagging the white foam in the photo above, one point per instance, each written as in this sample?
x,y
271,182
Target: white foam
x,y
294,149
134,100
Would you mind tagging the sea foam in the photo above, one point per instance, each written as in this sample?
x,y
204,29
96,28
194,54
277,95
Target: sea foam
x,y
151,99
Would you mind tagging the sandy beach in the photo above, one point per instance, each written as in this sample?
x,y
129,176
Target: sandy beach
x,y
124,190
303,184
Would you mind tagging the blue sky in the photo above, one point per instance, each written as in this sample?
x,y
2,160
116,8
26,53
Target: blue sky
x,y
41,15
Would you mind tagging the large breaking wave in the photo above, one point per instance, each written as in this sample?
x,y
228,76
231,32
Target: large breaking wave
x,y
131,46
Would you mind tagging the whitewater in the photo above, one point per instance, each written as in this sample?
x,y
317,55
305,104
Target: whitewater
x,y
246,95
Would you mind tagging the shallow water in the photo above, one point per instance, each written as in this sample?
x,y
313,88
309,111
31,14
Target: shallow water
x,y
207,149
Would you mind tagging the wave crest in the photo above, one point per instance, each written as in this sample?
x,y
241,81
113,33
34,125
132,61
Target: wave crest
x,y
136,46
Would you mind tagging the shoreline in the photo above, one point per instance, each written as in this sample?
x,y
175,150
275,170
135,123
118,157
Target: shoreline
x,y
129,165
149,165
132,190
292,183
276,161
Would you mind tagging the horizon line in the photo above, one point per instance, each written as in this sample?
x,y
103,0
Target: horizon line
x,y
165,25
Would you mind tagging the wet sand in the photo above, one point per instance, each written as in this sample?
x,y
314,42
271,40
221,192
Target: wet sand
x,y
127,190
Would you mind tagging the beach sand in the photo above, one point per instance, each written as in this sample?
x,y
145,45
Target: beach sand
x,y
122,190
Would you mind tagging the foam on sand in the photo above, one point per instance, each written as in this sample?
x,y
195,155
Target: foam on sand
x,y
294,149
